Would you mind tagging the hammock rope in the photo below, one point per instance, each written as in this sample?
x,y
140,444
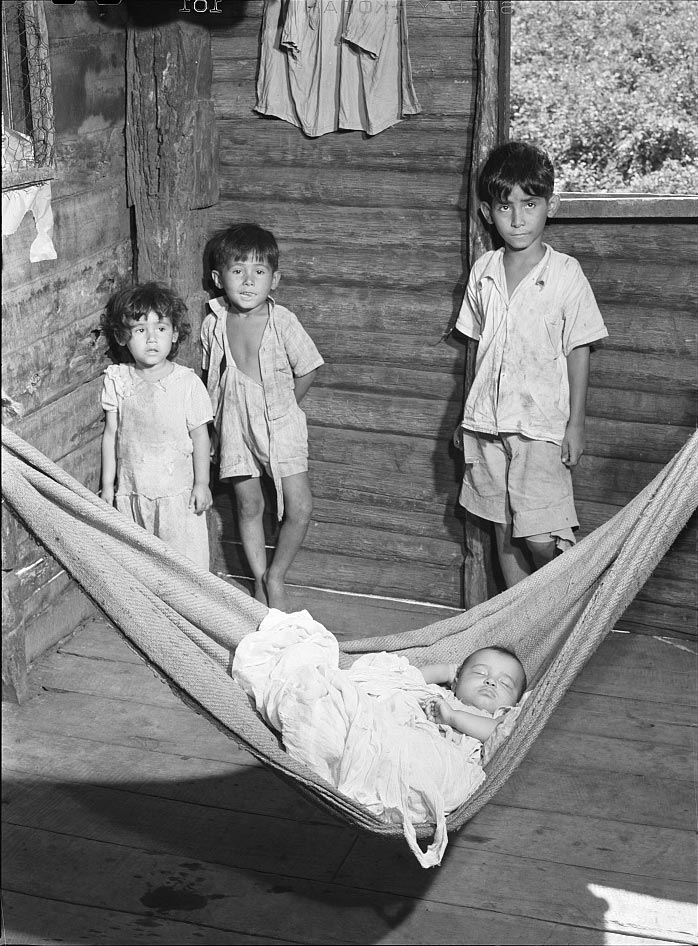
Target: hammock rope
x,y
186,622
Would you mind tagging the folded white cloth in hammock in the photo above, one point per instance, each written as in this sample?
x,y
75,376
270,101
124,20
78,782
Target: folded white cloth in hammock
x,y
361,729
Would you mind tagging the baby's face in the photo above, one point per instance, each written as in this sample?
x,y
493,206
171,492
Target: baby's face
x,y
490,679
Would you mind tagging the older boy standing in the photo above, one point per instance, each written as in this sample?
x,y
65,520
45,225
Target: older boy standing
x,y
535,317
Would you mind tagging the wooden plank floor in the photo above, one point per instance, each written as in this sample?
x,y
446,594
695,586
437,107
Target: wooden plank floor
x,y
130,819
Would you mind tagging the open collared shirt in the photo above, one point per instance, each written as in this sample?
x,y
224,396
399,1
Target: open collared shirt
x,y
521,383
286,352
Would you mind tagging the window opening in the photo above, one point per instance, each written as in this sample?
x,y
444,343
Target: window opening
x,y
610,90
27,102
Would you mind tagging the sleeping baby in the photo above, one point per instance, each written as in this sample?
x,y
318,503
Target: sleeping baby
x,y
363,727
491,679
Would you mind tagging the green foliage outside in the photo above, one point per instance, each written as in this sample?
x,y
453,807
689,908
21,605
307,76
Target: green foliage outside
x,y
610,90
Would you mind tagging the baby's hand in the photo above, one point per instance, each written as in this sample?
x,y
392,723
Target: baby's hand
x,y
200,499
108,496
437,710
429,706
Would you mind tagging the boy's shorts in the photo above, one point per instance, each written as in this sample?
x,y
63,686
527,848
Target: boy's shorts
x,y
248,445
510,478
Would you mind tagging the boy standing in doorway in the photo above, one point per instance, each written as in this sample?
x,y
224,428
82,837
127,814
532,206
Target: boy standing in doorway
x,y
259,363
535,317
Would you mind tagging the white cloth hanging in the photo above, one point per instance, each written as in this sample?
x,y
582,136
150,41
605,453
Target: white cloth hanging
x,y
327,65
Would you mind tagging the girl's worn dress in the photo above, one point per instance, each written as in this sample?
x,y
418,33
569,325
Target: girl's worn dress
x,y
155,468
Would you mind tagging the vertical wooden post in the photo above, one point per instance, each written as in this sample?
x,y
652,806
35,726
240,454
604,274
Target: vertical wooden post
x,y
15,686
171,155
478,576
504,70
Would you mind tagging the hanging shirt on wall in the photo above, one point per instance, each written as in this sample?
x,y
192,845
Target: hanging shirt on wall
x,y
336,64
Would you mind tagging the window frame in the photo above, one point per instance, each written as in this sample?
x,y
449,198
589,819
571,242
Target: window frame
x,y
41,103
592,204
608,206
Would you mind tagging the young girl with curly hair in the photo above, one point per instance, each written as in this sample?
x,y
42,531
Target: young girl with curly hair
x,y
155,445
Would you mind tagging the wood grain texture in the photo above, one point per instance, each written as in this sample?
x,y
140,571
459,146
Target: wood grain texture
x,y
35,309
340,186
591,839
442,143
80,225
344,226
172,153
350,212
371,232
52,355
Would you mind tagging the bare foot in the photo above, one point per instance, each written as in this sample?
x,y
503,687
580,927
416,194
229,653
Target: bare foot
x,y
259,591
276,592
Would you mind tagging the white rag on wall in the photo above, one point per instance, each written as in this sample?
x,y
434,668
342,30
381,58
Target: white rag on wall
x,y
361,729
327,65
34,198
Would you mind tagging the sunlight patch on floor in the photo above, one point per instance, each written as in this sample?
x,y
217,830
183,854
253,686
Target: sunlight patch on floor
x,y
628,911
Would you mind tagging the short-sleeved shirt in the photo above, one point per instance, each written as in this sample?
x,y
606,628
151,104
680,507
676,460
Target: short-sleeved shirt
x,y
286,352
521,383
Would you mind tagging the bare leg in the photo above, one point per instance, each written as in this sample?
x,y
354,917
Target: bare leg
x,y
542,549
298,503
512,559
250,506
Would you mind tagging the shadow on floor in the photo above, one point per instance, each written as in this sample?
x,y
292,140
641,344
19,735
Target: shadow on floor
x,y
248,855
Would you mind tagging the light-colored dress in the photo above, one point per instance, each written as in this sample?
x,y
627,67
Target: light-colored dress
x,y
155,468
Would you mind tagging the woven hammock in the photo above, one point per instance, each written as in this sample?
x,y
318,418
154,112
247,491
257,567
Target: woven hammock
x,y
186,622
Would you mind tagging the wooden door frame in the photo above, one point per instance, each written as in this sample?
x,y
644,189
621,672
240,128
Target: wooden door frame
x,y
489,129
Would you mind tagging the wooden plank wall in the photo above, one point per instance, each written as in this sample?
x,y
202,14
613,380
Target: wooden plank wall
x,y
642,394
372,239
52,355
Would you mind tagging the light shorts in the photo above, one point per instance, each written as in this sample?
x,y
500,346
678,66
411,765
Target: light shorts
x,y
245,439
510,478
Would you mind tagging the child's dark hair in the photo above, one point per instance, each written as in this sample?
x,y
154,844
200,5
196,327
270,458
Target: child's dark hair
x,y
133,304
516,163
500,650
243,241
